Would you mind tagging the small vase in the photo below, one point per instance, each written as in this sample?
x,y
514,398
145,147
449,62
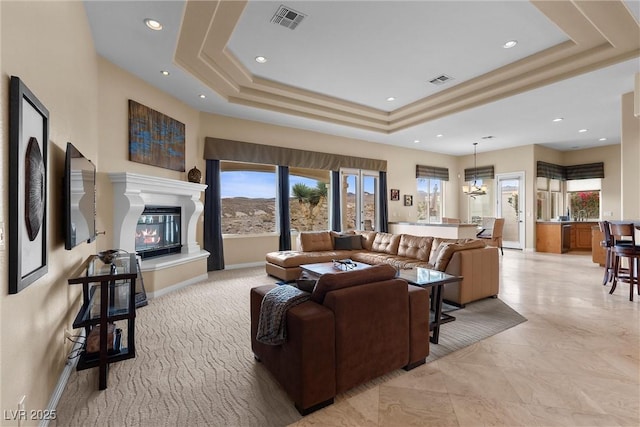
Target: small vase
x,y
194,175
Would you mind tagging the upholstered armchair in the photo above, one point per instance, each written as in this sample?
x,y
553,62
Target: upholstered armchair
x,y
494,237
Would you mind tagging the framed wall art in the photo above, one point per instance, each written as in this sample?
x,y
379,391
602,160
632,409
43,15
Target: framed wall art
x,y
395,194
408,200
28,186
154,138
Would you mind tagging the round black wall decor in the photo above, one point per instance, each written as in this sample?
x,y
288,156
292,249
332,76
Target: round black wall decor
x,y
34,188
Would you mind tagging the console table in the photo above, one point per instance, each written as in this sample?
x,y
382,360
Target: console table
x,y
108,296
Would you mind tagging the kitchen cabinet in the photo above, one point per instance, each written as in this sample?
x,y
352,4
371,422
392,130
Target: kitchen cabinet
x,y
563,236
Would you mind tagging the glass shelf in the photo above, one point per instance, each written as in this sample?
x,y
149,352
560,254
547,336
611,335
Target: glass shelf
x,y
119,293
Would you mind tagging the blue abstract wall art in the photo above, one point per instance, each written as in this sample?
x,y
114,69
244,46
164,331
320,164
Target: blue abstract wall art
x,y
154,138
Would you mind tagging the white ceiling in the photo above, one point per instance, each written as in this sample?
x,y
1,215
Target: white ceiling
x,y
366,51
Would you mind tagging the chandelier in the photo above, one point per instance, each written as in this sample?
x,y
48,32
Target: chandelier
x,y
473,189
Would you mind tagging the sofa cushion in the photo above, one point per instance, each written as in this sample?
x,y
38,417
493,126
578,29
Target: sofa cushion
x,y
436,246
448,249
310,241
386,243
289,259
347,242
367,238
416,247
345,279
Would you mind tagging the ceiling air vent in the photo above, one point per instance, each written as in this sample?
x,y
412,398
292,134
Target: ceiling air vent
x,y
287,17
440,80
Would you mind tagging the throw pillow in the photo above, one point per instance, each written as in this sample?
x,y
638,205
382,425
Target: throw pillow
x,y
342,243
356,242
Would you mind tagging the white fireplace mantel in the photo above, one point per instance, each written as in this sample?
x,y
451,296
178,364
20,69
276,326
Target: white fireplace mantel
x,y
132,192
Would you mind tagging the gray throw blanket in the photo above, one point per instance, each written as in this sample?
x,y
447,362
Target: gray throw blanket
x,y
273,313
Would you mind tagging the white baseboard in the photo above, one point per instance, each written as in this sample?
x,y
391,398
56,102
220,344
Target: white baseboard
x,y
69,366
177,286
244,265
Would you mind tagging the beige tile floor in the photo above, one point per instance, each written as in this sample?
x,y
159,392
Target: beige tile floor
x,y
575,362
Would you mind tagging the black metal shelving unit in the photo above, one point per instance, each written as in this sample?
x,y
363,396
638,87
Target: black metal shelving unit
x,y
109,295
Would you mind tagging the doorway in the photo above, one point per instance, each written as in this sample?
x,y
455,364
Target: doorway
x,y
510,201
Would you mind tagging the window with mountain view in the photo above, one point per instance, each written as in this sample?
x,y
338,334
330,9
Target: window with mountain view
x,y
308,199
248,196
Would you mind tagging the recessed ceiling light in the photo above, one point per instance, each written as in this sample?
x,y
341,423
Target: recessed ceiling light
x,y
415,141
439,135
559,119
583,130
602,139
510,44
153,24
165,72
202,96
261,59
391,98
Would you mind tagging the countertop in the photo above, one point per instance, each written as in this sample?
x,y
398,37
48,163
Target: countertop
x,y
434,224
566,222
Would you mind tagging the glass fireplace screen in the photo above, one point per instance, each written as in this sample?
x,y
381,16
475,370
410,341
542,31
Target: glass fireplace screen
x,y
158,231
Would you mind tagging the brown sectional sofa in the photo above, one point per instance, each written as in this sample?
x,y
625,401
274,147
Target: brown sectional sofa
x,y
471,259
357,326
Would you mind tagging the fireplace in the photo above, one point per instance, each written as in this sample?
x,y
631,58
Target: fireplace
x,y
132,193
158,231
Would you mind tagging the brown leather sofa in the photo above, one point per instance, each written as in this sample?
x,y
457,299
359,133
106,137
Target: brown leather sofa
x,y
357,326
470,259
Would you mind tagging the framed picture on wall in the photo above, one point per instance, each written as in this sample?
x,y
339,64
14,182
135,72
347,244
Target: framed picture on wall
x,y
395,194
28,153
408,200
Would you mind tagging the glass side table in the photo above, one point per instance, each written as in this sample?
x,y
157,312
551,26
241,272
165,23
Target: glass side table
x,y
427,278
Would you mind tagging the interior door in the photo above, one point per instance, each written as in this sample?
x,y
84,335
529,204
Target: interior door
x,y
510,200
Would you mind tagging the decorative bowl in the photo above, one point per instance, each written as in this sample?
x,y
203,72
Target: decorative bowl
x,y
108,256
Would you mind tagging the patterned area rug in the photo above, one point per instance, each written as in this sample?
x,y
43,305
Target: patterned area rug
x,y
194,365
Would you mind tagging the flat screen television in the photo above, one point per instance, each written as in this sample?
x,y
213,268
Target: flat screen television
x,y
79,198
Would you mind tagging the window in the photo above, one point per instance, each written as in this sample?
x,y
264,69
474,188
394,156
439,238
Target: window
x,y
308,199
481,206
583,199
248,193
430,199
548,199
359,191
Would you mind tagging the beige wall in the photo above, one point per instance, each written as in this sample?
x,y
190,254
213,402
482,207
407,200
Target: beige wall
x,y
115,88
630,153
50,48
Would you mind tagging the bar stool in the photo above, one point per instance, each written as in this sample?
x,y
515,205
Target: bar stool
x,y
624,247
607,243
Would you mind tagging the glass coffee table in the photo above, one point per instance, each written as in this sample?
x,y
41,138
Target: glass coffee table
x,y
426,278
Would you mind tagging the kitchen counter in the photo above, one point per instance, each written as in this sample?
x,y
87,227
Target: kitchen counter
x,y
445,231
